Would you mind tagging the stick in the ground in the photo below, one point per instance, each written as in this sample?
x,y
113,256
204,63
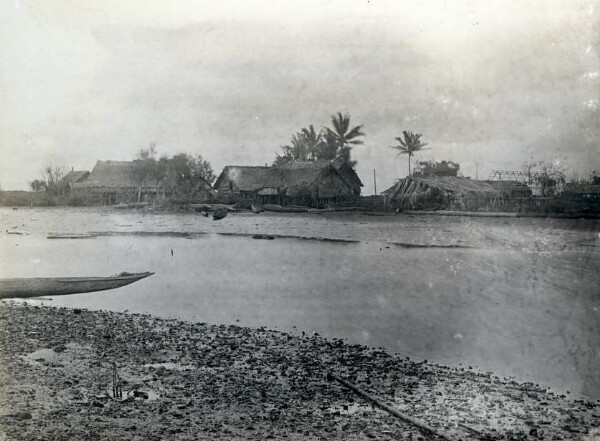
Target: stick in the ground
x,y
389,409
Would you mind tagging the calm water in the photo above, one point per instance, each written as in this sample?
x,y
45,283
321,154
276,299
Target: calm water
x,y
531,314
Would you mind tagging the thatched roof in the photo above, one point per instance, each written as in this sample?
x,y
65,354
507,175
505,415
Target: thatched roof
x,y
75,176
347,172
301,173
113,175
120,175
448,184
439,192
291,175
248,178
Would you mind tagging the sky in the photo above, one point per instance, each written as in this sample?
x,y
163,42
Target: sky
x,y
489,84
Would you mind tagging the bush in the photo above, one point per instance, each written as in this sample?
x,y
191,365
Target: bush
x,y
15,198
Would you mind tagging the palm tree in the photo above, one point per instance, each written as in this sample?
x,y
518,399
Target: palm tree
x,y
409,145
341,138
305,145
312,141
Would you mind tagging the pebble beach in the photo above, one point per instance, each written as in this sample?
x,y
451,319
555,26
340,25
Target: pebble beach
x,y
183,380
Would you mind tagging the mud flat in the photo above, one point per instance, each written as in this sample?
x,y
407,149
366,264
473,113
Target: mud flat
x,y
184,380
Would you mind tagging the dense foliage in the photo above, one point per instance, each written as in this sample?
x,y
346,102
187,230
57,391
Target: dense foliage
x,y
330,143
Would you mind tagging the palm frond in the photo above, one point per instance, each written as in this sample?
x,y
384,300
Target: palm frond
x,y
355,132
336,120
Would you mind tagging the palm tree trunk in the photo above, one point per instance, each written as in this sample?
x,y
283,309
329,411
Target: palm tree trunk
x,y
408,165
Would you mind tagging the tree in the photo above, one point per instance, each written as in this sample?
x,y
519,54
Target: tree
x,y
203,169
149,153
52,176
340,139
435,168
37,185
304,146
186,173
185,167
547,177
157,171
409,144
142,166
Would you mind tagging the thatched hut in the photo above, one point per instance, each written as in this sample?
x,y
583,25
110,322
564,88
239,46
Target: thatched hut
x,y
442,193
246,181
67,184
304,182
112,182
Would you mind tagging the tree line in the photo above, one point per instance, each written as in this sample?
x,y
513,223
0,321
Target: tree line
x,y
328,143
180,176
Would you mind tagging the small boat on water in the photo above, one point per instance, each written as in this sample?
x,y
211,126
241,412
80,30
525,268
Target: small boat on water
x,y
60,286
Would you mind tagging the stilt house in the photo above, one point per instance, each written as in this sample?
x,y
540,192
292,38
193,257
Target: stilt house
x,y
314,183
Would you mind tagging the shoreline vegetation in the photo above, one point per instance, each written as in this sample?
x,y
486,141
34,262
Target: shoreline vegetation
x,y
368,206
185,380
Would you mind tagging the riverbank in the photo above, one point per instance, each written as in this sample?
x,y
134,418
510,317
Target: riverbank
x,y
198,381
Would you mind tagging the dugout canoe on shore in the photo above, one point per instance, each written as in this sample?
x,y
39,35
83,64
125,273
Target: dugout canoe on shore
x,y
284,209
123,206
211,207
58,286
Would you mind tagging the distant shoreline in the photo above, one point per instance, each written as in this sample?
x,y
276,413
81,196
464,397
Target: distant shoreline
x,y
387,212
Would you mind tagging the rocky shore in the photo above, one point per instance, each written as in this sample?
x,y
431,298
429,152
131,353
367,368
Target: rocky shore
x,y
183,380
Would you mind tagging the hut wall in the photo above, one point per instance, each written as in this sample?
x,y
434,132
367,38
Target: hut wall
x,y
270,191
110,196
331,185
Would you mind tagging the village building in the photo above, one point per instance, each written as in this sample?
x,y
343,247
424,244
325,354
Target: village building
x,y
445,193
112,182
67,184
315,183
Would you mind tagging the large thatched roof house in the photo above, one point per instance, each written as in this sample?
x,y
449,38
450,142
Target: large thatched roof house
x,y
298,181
123,181
443,192
114,181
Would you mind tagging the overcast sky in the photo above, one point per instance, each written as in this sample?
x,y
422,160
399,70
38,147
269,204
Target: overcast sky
x,y
492,82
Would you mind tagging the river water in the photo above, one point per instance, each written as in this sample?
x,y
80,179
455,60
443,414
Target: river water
x,y
518,297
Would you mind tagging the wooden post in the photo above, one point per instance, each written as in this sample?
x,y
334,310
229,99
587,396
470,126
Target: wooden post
x,y
375,181
389,409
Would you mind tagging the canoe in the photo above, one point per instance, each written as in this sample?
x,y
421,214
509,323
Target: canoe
x,y
284,209
71,236
130,205
211,207
60,286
